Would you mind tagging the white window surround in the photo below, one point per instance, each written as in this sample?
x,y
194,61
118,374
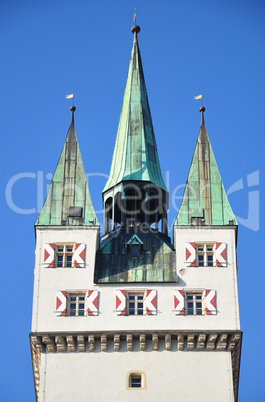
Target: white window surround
x,y
135,302
132,302
195,302
77,303
205,254
64,255
136,380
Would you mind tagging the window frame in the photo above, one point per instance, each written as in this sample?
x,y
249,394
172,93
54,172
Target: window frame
x,y
205,254
64,254
195,302
137,374
136,294
135,250
77,294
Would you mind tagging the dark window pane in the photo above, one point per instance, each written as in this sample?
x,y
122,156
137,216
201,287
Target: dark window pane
x,y
210,260
131,297
198,297
201,261
136,382
68,260
81,297
60,249
135,250
189,297
140,297
140,312
72,308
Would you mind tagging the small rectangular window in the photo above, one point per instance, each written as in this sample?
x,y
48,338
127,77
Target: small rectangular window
x,y
194,303
64,255
135,304
136,380
205,255
76,305
134,250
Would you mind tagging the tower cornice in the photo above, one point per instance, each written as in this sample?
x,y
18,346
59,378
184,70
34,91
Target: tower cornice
x,y
115,341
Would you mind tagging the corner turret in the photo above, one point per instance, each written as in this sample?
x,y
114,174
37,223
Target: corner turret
x,y
68,201
204,201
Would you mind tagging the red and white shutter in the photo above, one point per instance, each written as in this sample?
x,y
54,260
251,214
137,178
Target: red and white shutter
x,y
190,254
150,302
220,254
179,308
49,255
61,296
210,302
92,302
79,255
121,302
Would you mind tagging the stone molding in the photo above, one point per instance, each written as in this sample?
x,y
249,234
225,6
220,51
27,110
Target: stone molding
x,y
112,341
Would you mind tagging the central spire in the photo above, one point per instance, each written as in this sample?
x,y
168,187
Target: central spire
x,y
135,158
135,154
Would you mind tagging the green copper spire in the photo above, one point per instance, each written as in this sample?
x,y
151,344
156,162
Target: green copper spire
x,y
204,201
68,201
135,154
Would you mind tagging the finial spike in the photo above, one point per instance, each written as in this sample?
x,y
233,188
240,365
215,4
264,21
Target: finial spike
x,y
202,110
135,28
72,108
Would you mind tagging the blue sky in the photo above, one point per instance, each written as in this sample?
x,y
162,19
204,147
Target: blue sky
x,y
52,48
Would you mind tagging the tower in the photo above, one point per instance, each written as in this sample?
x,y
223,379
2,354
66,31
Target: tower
x,y
132,316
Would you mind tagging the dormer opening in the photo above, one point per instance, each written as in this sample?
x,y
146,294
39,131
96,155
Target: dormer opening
x,y
135,246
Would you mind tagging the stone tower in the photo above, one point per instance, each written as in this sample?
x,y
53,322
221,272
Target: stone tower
x,y
131,316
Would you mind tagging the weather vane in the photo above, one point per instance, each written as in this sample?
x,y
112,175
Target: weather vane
x,y
71,96
199,97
